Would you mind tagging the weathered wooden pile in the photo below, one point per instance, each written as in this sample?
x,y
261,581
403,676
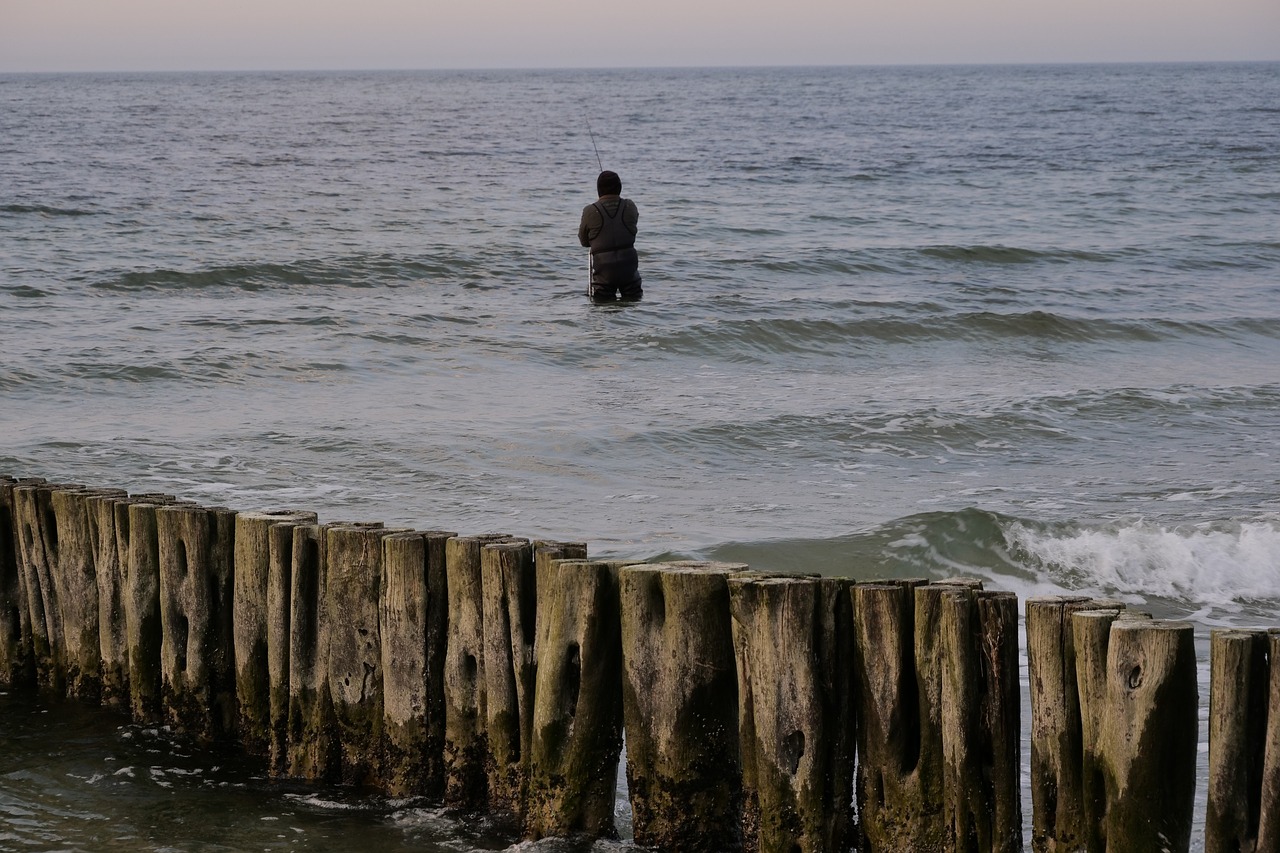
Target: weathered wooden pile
x,y
761,712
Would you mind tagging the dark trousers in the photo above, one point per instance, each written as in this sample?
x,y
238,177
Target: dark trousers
x,y
611,292
615,273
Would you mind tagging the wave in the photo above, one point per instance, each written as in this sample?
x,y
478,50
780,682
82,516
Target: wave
x,y
1222,564
1225,565
346,272
983,254
774,336
45,210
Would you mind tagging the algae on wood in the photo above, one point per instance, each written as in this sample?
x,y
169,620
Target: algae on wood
x,y
577,715
680,706
793,638
466,747
196,553
251,621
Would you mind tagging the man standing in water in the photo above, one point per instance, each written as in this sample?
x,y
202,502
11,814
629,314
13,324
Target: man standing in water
x,y
609,228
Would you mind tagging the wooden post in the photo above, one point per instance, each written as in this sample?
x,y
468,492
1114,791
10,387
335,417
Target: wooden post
x,y
1001,713
1149,736
252,618
76,581
141,595
924,783
793,638
510,617
410,647
466,748
680,706
980,721
893,813
279,629
1239,690
1056,791
15,628
111,554
37,534
352,600
312,744
1091,632
1269,802
196,548
577,718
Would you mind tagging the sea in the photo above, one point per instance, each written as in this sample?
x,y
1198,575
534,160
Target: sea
x,y
1014,322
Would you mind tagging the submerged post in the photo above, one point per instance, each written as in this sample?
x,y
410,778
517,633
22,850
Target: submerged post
x,y
466,746
311,743
195,552
1269,804
793,638
253,620
509,590
896,810
577,716
1056,791
15,628
1239,691
680,706
1149,735
413,574
352,635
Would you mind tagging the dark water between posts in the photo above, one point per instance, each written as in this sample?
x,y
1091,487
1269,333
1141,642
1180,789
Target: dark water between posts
x,y
1018,322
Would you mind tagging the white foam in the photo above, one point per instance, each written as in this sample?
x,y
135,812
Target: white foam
x,y
1223,564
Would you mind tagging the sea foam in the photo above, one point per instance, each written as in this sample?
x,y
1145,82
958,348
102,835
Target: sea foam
x,y
1219,565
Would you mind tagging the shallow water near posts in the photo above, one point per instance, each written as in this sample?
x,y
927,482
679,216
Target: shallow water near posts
x,y
1021,323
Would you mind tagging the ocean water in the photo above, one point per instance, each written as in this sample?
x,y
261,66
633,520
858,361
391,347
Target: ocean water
x,y
1015,322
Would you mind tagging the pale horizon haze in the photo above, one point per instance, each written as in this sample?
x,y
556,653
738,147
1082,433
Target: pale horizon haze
x,y
161,35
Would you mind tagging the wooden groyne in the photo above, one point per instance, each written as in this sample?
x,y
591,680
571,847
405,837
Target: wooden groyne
x,y
761,712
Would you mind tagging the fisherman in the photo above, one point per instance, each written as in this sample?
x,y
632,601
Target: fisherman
x,y
609,228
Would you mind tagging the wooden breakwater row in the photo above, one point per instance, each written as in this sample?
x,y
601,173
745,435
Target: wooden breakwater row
x,y
761,712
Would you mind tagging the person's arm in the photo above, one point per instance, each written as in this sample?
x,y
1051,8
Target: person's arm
x,y
589,223
631,216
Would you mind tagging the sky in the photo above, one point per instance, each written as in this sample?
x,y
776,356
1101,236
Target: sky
x,y
172,35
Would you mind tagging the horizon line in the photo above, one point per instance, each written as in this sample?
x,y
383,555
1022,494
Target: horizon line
x,y
584,68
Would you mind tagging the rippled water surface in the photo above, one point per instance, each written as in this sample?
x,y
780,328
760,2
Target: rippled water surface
x,y
1018,322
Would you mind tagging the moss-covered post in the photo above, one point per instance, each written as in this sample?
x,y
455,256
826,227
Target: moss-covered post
x,y
109,568
1149,736
577,715
510,613
923,784
15,628
1056,792
1239,690
311,743
793,644
279,625
1269,800
680,706
76,579
1091,632
466,747
37,533
413,763
894,814
353,594
980,721
196,550
1001,716
252,619
143,634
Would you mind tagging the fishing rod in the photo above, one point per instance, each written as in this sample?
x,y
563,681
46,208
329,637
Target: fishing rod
x,y
591,261
593,145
